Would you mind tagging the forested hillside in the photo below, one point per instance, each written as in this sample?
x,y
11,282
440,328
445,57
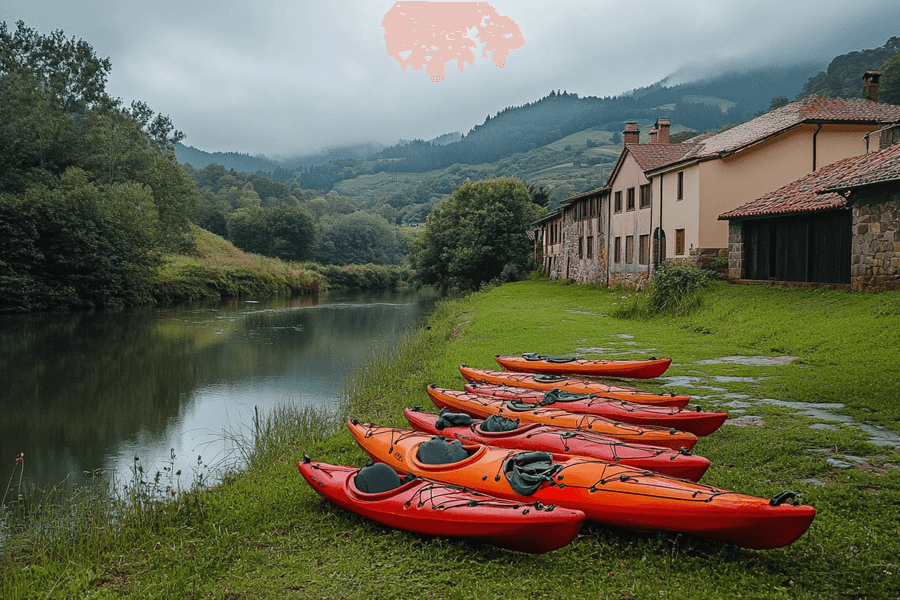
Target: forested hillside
x,y
843,77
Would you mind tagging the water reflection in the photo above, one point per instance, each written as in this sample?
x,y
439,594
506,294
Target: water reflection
x,y
87,391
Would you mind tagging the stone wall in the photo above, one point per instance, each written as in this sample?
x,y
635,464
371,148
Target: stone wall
x,y
630,280
704,258
875,252
735,250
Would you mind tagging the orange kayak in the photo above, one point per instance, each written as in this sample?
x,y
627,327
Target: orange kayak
x,y
546,438
611,494
699,422
546,383
484,406
552,365
436,508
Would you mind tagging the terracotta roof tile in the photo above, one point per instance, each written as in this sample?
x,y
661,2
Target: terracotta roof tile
x,y
652,156
584,195
813,192
808,110
881,167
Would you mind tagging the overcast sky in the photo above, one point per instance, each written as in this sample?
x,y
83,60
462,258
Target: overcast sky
x,y
277,77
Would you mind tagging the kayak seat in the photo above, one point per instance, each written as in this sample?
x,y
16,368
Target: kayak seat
x,y
438,451
519,406
451,419
541,378
547,357
498,423
557,395
527,471
375,478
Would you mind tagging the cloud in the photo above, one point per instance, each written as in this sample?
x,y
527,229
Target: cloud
x,y
279,76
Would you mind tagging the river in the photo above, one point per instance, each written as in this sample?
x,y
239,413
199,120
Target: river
x,y
169,387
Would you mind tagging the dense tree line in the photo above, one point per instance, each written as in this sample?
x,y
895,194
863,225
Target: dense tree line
x,y
90,191
268,217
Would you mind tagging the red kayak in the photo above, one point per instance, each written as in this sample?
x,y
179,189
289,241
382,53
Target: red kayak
x,y
482,407
698,422
435,508
546,438
569,384
612,494
554,365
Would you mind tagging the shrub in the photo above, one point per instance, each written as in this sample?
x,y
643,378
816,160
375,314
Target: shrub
x,y
674,289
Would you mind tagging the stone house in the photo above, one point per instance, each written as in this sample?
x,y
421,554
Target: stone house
x,y
570,240
839,225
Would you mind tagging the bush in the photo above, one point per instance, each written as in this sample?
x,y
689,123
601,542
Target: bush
x,y
73,244
674,289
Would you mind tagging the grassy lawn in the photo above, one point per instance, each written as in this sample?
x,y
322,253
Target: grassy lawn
x,y
265,534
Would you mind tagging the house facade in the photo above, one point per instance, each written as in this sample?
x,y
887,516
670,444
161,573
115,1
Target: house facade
x,y
571,240
839,225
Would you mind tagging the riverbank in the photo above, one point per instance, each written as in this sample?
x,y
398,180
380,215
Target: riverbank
x,y
820,417
217,269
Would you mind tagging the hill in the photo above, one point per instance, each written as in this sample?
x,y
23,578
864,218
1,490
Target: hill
x,y
842,78
281,168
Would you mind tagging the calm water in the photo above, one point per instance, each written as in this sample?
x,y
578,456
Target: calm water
x,y
82,392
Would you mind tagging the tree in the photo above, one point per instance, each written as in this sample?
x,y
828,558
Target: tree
x,y
477,235
90,192
778,102
282,231
889,88
77,244
357,239
68,69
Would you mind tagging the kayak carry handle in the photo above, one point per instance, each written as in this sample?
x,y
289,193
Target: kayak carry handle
x,y
783,497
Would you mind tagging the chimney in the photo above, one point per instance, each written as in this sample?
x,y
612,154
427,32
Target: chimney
x,y
653,134
870,85
631,134
662,125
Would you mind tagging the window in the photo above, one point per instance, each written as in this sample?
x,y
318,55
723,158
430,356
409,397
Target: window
x,y
581,247
680,185
646,195
629,249
617,250
590,246
644,256
630,205
679,242
618,206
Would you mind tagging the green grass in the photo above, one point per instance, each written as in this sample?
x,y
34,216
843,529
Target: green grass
x,y
264,533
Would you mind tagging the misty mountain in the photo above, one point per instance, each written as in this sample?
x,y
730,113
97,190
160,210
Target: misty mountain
x,y
699,105
230,160
282,167
702,104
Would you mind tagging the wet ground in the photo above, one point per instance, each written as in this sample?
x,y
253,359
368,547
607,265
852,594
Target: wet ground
x,y
741,406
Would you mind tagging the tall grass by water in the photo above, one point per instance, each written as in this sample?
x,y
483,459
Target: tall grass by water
x,y
264,533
